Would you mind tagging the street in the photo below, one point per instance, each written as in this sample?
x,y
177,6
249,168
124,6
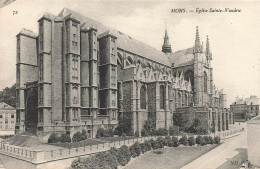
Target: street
x,y
228,155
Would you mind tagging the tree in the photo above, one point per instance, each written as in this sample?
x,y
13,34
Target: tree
x,y
8,95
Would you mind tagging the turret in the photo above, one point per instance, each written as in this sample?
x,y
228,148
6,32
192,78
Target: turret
x,y
197,47
208,53
166,48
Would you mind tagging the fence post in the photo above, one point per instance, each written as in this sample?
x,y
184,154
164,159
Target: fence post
x,y
69,150
103,145
97,146
51,153
60,151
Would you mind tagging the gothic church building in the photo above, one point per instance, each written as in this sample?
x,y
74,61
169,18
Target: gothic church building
x,y
80,74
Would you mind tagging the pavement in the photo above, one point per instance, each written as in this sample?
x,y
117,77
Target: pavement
x,y
230,154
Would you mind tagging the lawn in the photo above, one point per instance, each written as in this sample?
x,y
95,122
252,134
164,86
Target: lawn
x,y
172,158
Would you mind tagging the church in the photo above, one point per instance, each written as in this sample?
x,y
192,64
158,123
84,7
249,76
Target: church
x,y
77,73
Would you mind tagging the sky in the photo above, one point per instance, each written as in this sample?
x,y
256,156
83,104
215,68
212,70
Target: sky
x,y
234,37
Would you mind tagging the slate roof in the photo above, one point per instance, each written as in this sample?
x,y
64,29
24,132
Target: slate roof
x,y
123,41
182,57
3,105
248,101
28,33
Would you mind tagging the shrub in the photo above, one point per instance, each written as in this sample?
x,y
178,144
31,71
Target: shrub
x,y
158,152
53,138
124,155
64,138
199,139
161,140
210,140
135,149
152,142
106,159
143,149
156,144
206,138
161,132
148,146
100,132
170,143
216,140
173,130
191,141
183,140
136,134
77,137
123,134
100,160
175,142
114,152
144,133
84,135
203,142
149,126
167,140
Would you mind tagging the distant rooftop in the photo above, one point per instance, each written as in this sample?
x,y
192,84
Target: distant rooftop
x,y
3,105
254,100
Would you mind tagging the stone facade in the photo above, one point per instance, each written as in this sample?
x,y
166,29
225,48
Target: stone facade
x,y
245,108
79,74
7,119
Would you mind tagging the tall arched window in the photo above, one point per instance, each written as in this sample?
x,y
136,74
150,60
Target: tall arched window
x,y
179,99
143,97
119,63
186,100
205,82
162,97
189,75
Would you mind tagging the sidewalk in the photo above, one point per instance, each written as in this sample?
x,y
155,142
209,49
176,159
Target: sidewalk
x,y
221,156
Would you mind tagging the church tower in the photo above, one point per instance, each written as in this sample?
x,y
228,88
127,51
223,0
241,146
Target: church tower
x,y
166,48
198,71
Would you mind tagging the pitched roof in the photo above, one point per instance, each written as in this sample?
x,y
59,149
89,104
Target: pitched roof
x,y
3,105
182,57
123,41
27,32
248,101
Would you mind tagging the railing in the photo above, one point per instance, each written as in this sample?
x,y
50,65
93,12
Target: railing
x,y
45,156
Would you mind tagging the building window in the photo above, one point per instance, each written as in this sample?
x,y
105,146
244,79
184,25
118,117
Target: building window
x,y
1,116
17,116
179,100
114,115
41,95
205,82
12,124
1,125
41,115
12,115
75,114
162,97
143,97
75,67
41,68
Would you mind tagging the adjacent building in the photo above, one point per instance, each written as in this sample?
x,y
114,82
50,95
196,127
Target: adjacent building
x,y
7,119
245,108
77,73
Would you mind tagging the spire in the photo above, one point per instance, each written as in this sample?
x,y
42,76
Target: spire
x,y
166,48
197,47
208,53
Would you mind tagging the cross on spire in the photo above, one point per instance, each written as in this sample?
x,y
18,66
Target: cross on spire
x,y
197,47
166,48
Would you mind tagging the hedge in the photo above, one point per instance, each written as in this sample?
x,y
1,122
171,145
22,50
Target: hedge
x,y
216,140
101,132
175,142
191,141
199,139
135,149
183,140
54,138
124,155
64,138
